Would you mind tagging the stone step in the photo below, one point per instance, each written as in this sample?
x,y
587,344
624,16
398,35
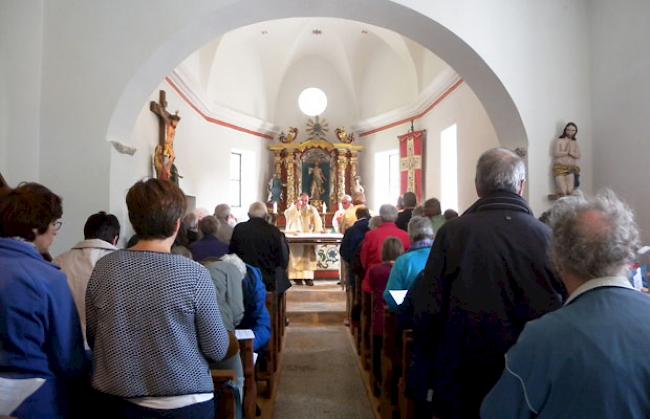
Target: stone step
x,y
315,296
306,306
316,318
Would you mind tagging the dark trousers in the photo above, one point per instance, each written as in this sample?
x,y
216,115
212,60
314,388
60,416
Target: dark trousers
x,y
118,408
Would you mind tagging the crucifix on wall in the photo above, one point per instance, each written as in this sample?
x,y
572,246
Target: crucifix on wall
x,y
411,163
164,155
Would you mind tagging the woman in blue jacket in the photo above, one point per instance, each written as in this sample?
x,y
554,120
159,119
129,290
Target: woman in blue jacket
x,y
40,333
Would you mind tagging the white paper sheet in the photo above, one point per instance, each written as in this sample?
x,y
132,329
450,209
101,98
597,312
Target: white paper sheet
x,y
13,392
255,355
398,295
241,334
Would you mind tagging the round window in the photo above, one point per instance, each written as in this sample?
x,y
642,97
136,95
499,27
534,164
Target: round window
x,y
312,101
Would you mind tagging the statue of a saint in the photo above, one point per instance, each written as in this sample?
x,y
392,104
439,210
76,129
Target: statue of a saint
x,y
317,181
566,154
274,189
357,187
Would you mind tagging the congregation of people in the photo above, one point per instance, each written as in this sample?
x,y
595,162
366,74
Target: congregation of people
x,y
132,332
510,317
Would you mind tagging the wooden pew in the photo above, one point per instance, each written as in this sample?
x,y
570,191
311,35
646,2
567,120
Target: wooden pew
x,y
406,405
355,321
375,380
250,385
366,331
225,396
391,366
265,370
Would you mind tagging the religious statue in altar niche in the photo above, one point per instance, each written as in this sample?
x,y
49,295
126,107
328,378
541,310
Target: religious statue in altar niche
x,y
317,181
316,176
566,154
164,155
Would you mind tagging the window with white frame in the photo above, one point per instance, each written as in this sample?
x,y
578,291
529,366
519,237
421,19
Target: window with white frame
x,y
386,178
449,168
235,180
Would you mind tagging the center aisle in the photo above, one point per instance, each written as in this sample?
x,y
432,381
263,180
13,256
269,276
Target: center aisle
x,y
319,376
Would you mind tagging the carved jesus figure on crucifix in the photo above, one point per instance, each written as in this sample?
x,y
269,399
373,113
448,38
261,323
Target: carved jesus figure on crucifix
x,y
164,155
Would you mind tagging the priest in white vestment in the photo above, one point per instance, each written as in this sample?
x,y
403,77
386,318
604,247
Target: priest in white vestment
x,y
302,217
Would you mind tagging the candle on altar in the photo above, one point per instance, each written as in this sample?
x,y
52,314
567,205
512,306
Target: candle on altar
x,y
324,208
275,207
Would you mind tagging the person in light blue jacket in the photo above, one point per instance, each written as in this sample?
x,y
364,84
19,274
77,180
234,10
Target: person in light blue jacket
x,y
410,264
589,359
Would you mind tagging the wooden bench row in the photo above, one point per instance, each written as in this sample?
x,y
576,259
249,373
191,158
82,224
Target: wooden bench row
x,y
395,355
264,371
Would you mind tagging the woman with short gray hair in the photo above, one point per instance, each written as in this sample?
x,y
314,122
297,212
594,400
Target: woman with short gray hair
x,y
409,265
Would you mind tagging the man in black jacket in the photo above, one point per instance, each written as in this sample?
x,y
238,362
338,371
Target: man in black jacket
x,y
262,245
487,275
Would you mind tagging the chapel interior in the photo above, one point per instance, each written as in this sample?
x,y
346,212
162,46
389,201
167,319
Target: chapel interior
x,y
77,83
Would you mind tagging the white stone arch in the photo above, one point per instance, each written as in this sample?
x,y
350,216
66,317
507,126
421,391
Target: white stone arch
x,y
493,95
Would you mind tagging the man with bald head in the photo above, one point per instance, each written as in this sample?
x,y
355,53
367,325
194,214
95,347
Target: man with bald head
x,y
589,359
488,273
262,245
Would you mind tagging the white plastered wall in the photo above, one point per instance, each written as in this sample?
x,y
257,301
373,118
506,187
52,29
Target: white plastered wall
x,y
475,134
621,102
202,157
21,48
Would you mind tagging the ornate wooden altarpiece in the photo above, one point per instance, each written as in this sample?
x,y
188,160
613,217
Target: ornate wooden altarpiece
x,y
294,164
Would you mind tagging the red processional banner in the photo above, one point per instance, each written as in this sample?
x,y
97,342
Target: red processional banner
x,y
411,162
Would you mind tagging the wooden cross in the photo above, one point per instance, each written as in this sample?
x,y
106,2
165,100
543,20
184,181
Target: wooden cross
x,y
163,115
410,164
164,155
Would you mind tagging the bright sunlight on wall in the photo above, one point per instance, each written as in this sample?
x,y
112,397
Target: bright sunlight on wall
x,y
449,169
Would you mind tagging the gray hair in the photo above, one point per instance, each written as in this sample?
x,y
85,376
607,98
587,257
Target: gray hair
x,y
257,210
388,213
593,237
420,228
375,222
222,211
499,169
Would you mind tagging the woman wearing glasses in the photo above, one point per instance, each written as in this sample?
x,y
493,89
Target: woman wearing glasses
x,y
40,333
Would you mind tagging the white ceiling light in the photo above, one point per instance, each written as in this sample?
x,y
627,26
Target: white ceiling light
x,y
312,101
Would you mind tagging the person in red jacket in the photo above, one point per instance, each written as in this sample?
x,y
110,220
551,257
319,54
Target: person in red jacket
x,y
374,240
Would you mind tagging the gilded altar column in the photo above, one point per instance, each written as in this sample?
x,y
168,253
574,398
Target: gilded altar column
x,y
342,164
289,162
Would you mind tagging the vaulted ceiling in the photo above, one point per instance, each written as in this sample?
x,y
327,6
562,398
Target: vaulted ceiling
x,y
249,69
